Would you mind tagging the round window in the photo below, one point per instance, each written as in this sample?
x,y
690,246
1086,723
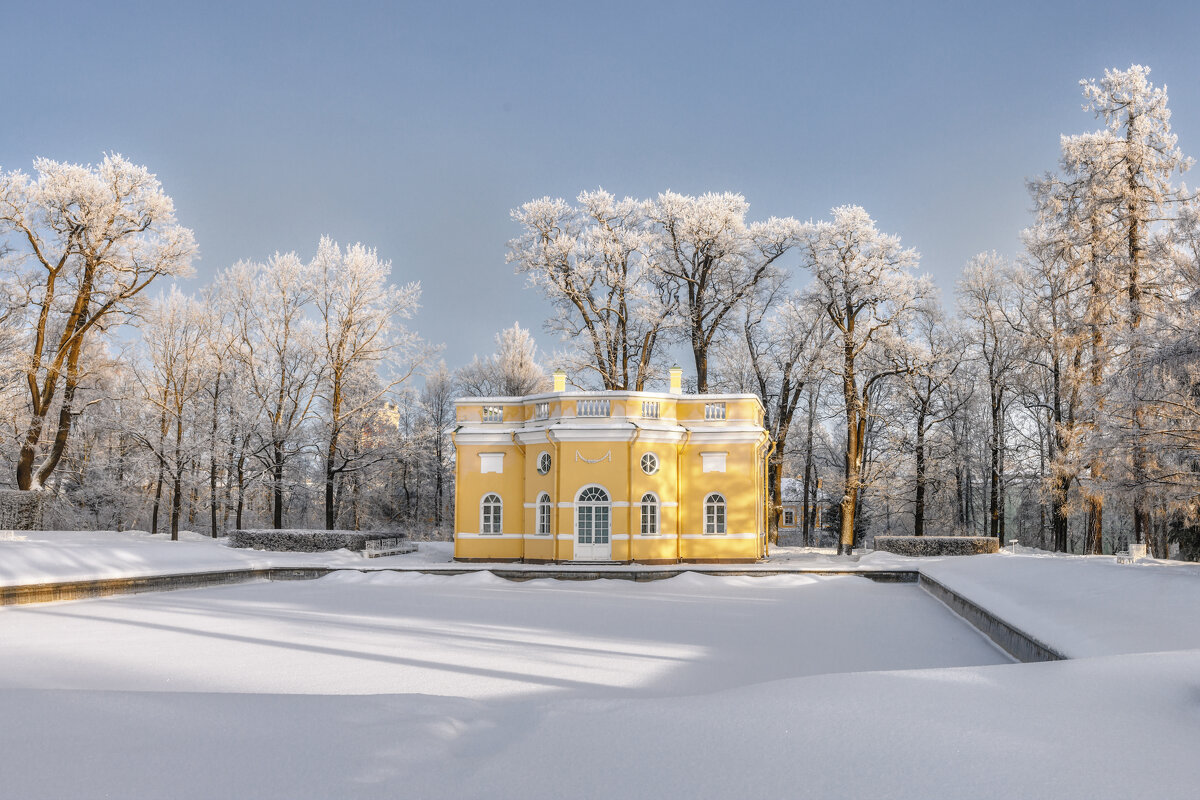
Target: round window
x,y
649,463
543,464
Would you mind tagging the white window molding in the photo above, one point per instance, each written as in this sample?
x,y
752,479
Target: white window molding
x,y
713,462
714,515
491,462
491,515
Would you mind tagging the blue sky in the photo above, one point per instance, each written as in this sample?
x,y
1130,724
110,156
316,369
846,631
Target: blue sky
x,y
415,128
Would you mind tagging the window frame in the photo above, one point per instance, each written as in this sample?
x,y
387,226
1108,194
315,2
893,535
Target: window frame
x,y
549,459
544,515
650,511
657,464
491,523
716,514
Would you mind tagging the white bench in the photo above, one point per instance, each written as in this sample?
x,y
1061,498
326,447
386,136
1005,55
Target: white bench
x,y
1131,555
374,548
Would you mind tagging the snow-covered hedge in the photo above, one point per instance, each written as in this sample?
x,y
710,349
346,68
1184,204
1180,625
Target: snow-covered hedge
x,y
20,511
936,545
307,541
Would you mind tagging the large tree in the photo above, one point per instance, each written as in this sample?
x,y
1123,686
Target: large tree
x,y
933,364
84,242
1141,160
988,304
281,359
866,286
778,355
361,339
172,375
595,262
717,259
514,370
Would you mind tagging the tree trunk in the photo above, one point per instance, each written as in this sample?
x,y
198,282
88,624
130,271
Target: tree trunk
x,y
241,487
1095,526
919,503
277,487
853,444
807,526
994,483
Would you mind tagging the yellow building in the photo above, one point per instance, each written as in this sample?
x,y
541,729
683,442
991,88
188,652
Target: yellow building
x,y
611,476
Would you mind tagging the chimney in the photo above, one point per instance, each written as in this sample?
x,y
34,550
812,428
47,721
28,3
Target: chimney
x,y
676,380
560,380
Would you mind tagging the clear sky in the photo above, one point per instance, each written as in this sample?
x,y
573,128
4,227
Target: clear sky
x,y
416,127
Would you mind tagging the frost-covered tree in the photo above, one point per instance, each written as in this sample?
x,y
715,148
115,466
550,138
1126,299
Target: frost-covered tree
x,y
780,352
988,304
596,263
512,371
83,242
866,286
437,408
718,259
1142,159
361,337
928,378
1051,322
281,359
171,377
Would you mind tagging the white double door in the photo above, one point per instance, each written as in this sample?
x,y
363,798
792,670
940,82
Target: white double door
x,y
593,526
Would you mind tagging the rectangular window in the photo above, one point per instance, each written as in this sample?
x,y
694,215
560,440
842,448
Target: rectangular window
x,y
650,409
491,515
649,519
789,518
493,414
714,411
592,408
714,518
543,525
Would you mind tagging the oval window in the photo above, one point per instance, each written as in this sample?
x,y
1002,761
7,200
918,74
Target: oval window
x,y
543,464
649,463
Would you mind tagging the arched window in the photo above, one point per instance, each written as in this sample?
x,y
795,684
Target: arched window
x,y
491,514
714,513
543,514
649,514
593,494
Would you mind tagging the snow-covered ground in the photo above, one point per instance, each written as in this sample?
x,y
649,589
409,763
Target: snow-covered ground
x,y
1083,605
483,637
411,685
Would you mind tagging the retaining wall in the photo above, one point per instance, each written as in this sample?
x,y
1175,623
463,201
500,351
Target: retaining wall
x,y
1012,640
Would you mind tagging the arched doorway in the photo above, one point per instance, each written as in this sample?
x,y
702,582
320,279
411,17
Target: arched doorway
x,y
593,525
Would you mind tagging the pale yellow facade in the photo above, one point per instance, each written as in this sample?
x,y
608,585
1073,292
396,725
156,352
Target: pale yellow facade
x,y
611,477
